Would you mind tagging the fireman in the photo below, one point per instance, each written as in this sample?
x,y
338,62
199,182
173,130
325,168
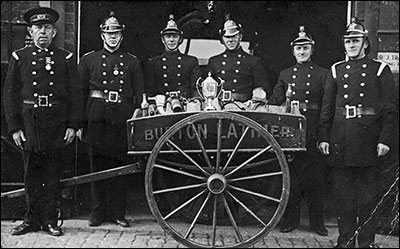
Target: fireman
x,y
113,85
356,130
241,71
43,106
172,71
306,80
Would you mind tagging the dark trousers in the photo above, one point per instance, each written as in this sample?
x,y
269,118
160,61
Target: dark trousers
x,y
355,190
42,186
306,179
108,197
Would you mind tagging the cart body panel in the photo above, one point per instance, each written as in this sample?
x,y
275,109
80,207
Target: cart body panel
x,y
287,129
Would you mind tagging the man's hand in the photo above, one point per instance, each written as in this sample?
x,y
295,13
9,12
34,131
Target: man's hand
x,y
382,149
324,148
69,136
19,138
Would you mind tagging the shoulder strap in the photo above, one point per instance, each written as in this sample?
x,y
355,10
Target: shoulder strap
x,y
381,67
69,55
14,54
90,52
132,55
333,69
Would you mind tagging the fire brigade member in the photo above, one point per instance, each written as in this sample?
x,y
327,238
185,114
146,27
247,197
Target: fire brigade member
x,y
172,71
241,71
356,130
113,83
43,106
307,81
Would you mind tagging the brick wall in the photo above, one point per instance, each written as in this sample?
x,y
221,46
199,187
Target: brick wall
x,y
70,32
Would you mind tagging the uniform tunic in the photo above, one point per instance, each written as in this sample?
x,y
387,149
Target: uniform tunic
x,y
369,86
48,76
43,97
307,81
116,75
365,88
117,81
172,72
241,71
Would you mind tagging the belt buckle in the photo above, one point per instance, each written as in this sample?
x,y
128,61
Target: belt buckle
x,y
226,95
43,100
113,96
351,111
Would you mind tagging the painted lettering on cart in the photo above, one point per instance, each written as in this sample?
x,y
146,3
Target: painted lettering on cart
x,y
234,130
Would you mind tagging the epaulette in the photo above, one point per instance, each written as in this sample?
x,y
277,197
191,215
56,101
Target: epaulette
x,y
333,68
14,54
381,67
69,55
90,52
132,55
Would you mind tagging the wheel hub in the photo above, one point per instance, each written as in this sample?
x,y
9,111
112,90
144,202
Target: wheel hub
x,y
216,183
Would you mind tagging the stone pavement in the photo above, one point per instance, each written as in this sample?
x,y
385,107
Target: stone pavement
x,y
146,233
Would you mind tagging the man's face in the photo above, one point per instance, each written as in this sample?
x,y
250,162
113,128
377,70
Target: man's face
x,y
171,41
355,47
42,34
112,39
232,42
302,53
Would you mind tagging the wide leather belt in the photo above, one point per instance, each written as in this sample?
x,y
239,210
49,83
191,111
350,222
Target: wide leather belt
x,y
109,96
240,96
229,95
354,111
309,106
42,101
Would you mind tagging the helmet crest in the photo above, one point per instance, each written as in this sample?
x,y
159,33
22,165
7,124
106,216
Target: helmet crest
x,y
303,38
355,29
111,24
230,27
172,27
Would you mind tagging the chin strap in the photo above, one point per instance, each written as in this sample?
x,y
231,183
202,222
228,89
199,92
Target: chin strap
x,y
171,51
116,47
359,52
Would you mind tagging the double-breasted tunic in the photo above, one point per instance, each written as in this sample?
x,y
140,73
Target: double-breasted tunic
x,y
170,72
113,84
43,96
241,72
307,81
358,111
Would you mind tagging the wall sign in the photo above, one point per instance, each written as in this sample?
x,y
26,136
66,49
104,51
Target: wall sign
x,y
391,58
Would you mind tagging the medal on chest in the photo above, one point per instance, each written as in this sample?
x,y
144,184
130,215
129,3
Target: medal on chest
x,y
48,64
116,72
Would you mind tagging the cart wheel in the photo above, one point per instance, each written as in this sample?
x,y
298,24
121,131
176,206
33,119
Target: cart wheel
x,y
226,188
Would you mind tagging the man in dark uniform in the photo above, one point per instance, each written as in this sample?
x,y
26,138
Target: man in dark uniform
x,y
169,72
172,71
356,129
113,84
306,80
241,71
43,103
